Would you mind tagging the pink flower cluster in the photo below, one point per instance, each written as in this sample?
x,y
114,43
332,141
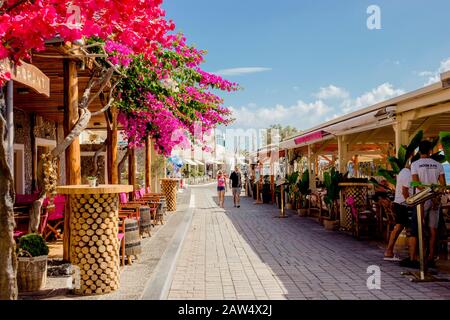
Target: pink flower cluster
x,y
119,54
210,79
136,24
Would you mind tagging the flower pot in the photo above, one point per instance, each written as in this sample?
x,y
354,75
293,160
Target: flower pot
x,y
31,273
289,206
330,224
302,212
92,182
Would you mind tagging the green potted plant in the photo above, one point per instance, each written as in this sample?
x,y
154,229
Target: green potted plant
x,y
292,191
331,181
303,189
32,258
266,190
92,180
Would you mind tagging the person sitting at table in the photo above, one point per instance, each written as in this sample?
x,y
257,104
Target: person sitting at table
x,y
401,211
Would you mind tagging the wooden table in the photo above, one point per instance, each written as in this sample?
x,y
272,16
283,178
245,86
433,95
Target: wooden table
x,y
169,188
94,226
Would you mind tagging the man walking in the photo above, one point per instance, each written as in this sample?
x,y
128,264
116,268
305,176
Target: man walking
x,y
426,171
236,186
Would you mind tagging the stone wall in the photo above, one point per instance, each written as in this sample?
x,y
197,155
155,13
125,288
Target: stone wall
x,y
23,133
87,163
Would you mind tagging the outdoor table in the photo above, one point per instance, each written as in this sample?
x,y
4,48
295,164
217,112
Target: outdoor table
x,y
94,228
359,191
169,189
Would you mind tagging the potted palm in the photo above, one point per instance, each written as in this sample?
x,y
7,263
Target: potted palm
x,y
303,189
331,181
32,263
291,180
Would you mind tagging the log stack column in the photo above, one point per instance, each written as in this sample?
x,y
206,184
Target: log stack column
x,y
94,243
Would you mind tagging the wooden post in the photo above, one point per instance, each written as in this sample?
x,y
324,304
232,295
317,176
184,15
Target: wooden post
x,y
132,170
73,159
342,157
312,179
148,162
113,148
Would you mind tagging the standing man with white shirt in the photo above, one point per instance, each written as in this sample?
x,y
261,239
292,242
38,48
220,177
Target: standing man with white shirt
x,y
427,171
401,211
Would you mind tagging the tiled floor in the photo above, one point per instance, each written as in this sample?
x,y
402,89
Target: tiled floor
x,y
246,253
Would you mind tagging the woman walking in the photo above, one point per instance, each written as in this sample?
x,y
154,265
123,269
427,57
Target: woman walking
x,y
221,187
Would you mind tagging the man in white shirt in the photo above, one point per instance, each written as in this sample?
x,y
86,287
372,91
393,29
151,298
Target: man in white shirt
x,y
427,171
401,211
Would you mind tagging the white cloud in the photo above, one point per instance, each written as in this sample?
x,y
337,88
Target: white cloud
x,y
301,115
434,76
426,73
304,115
331,92
378,94
241,71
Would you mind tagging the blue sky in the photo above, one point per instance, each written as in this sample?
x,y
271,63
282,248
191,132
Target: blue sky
x,y
302,62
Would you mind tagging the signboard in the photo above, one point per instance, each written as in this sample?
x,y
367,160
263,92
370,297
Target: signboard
x,y
28,75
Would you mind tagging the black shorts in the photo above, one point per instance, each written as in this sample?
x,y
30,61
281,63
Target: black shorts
x,y
220,189
402,214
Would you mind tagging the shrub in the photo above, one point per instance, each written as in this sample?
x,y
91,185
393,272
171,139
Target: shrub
x,y
34,244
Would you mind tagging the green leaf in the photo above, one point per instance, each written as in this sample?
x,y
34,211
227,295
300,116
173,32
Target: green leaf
x,y
414,144
388,175
395,163
401,155
445,141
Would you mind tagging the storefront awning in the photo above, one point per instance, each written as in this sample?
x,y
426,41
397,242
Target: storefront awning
x,y
199,162
310,137
190,162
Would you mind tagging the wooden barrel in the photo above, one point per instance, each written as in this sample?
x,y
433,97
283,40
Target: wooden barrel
x,y
132,238
146,220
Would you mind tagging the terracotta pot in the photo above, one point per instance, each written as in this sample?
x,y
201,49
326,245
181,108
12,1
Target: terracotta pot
x,y
330,224
289,206
302,212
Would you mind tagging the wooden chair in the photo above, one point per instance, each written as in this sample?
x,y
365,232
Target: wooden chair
x,y
121,237
387,215
22,225
362,220
55,216
154,201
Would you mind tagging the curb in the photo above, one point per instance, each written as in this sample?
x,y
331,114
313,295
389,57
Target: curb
x,y
158,286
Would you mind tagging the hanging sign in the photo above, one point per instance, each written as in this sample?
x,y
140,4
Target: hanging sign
x,y
28,75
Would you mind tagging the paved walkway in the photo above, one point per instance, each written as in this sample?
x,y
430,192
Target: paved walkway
x,y
247,254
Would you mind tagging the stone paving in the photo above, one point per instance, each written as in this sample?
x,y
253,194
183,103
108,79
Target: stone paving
x,y
133,278
246,253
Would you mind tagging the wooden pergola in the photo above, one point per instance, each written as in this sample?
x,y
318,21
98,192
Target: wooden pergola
x,y
69,75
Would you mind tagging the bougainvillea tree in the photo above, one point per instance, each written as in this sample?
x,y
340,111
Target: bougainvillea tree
x,y
25,26
172,99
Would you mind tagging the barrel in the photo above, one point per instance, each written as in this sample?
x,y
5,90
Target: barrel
x,y
132,238
146,220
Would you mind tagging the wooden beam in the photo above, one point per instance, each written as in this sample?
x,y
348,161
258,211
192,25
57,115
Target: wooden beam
x,y
132,170
148,162
426,124
73,158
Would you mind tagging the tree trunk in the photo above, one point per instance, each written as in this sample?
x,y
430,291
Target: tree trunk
x,y
8,261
